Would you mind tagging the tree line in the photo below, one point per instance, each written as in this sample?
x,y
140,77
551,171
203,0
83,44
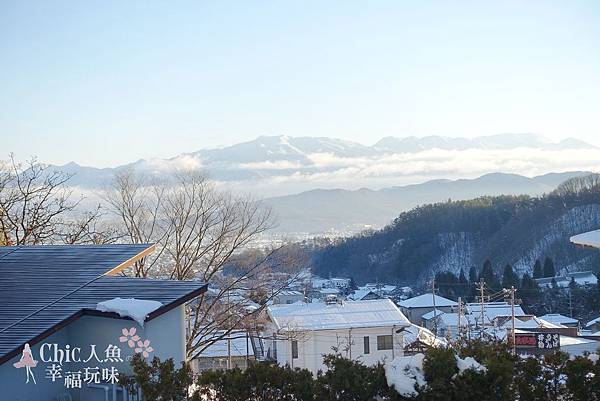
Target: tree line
x,y
453,234
504,377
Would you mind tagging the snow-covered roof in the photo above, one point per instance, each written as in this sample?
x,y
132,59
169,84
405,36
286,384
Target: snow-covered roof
x,y
321,316
557,318
590,238
430,315
386,288
361,293
578,346
329,291
592,322
451,319
290,293
426,301
414,333
137,309
581,278
492,310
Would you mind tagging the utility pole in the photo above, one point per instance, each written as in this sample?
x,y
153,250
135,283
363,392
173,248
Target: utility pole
x,y
350,342
435,324
512,308
570,305
481,286
459,317
247,350
229,364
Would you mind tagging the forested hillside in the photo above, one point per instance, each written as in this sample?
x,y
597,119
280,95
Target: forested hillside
x,y
457,235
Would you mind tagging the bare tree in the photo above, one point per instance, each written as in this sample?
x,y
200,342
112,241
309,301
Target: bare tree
x,y
240,298
579,185
90,228
138,205
199,231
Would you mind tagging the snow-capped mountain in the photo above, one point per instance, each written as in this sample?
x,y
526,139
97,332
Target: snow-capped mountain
x,y
282,165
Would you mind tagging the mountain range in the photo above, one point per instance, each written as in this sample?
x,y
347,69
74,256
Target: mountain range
x,y
282,165
338,210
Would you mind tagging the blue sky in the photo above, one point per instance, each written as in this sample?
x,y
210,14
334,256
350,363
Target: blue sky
x,y
104,83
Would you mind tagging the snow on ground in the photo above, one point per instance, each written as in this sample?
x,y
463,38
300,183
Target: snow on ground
x,y
404,372
137,309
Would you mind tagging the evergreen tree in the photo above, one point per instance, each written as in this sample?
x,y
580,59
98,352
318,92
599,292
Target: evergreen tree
x,y
473,274
509,278
549,270
488,275
538,271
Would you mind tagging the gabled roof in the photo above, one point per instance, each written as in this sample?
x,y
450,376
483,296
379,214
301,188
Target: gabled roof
x,y
426,301
491,310
321,316
590,239
359,294
592,322
44,288
557,318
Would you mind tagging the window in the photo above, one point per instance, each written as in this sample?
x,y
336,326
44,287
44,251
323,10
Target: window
x,y
384,342
295,349
366,345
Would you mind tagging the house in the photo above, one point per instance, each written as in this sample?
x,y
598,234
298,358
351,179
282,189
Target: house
x,y
288,297
446,324
69,324
235,350
491,310
381,289
593,325
364,294
580,278
563,320
367,331
414,308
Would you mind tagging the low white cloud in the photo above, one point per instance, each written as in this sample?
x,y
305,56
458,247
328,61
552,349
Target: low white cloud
x,y
331,171
271,165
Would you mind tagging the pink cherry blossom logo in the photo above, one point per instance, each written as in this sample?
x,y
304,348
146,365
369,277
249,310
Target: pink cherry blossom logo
x,y
144,347
129,337
135,342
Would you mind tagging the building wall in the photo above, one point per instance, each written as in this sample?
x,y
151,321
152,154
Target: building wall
x,y
165,333
313,345
12,380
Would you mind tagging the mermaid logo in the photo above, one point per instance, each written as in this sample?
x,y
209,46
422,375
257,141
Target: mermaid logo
x,y
27,362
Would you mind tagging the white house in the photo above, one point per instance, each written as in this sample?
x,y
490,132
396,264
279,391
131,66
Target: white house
x,y
368,331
